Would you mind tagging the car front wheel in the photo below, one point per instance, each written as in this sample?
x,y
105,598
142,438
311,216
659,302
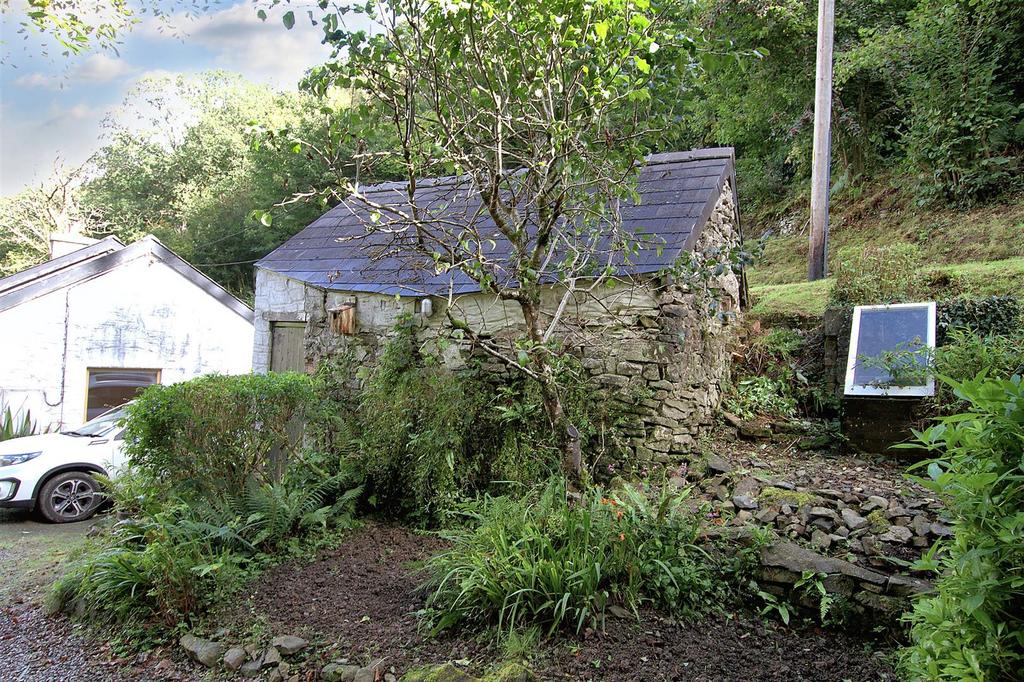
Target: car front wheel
x,y
71,496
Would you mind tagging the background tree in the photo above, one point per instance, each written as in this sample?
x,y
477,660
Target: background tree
x,y
190,160
545,110
28,218
932,89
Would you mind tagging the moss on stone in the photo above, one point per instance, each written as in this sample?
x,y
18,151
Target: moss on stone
x,y
877,521
773,495
437,673
512,671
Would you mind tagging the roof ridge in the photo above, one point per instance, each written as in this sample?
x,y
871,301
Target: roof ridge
x,y
659,158
105,260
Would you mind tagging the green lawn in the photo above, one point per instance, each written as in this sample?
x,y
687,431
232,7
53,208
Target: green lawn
x,y
804,302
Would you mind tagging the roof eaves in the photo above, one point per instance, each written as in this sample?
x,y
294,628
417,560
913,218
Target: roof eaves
x,y
104,263
189,272
48,268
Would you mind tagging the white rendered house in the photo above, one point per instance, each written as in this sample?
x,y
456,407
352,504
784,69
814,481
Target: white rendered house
x,y
84,331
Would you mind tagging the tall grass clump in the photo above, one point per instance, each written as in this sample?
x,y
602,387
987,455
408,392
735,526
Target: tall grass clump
x,y
556,560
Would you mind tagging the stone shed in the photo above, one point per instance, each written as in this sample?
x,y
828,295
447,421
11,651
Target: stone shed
x,y
657,342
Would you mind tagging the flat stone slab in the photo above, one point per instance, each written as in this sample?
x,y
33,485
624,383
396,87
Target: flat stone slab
x,y
798,559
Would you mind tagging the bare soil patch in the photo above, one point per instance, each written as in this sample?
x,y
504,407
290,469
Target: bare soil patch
x,y
359,602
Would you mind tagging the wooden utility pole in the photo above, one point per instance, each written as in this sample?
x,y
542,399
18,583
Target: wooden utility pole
x,y
817,256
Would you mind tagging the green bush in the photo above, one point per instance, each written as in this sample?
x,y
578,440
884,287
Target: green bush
x,y
205,506
876,275
215,432
973,628
416,420
164,569
761,396
772,382
966,355
551,560
424,437
173,558
993,315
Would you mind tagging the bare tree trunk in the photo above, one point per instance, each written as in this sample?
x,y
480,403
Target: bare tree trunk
x,y
566,434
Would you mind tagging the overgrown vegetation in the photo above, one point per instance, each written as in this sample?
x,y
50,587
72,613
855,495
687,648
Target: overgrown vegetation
x,y
206,500
771,382
877,274
928,88
424,437
553,560
973,629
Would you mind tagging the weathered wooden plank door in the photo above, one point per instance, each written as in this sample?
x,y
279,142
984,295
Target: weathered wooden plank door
x,y
286,347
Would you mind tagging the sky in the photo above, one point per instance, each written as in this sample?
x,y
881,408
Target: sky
x,y
52,107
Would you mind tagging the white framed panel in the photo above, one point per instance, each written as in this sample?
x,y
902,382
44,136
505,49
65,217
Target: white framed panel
x,y
878,329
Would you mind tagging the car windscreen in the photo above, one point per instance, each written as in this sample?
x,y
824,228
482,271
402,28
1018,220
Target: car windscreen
x,y
103,425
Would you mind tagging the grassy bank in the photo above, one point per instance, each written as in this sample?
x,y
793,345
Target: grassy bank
x,y
802,302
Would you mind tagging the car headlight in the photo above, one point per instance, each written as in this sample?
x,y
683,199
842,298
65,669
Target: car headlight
x,y
10,460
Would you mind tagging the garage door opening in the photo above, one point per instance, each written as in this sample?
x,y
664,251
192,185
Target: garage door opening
x,y
110,388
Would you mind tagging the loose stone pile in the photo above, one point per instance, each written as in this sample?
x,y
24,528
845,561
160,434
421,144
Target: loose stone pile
x,y
856,523
268,663
248,661
871,527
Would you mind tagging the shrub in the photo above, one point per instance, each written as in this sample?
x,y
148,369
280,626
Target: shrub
x,y
174,558
166,568
966,355
552,561
415,429
761,396
204,505
215,432
424,437
973,628
876,275
994,315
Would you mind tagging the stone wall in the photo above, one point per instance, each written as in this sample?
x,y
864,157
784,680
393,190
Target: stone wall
x,y
658,349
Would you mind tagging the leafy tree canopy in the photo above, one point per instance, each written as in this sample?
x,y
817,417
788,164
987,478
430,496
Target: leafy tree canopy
x,y
191,158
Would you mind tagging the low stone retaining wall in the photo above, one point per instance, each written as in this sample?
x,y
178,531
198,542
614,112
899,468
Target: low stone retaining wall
x,y
868,592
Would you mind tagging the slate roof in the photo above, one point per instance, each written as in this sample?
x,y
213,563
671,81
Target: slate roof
x,y
99,258
678,191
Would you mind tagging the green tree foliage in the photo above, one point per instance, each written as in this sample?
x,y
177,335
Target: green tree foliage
x,y
929,86
77,26
561,92
200,155
28,218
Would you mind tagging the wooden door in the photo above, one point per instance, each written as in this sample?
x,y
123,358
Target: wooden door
x,y
286,347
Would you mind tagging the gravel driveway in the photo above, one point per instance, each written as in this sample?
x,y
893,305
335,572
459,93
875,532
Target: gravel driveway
x,y
33,646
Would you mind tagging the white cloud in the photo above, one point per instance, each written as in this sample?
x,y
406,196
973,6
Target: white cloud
x,y
36,80
100,68
261,50
92,70
30,144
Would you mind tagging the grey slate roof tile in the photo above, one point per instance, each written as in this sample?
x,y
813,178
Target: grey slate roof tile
x,y
677,193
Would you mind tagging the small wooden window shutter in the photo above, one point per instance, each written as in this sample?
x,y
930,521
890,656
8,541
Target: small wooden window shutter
x,y
343,318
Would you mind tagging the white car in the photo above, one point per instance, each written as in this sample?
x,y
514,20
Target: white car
x,y
53,472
